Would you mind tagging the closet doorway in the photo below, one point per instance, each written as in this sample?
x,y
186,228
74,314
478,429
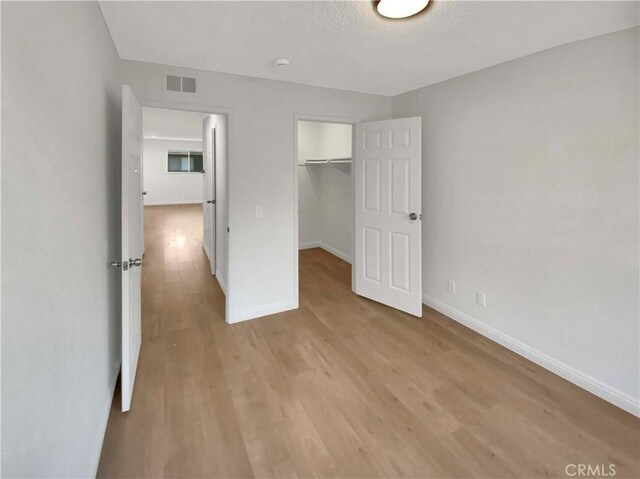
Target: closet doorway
x,y
325,221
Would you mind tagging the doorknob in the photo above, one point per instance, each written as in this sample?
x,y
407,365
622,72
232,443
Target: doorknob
x,y
413,216
117,264
135,262
212,202
144,193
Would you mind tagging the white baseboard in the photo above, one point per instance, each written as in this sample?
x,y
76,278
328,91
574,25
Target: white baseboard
x,y
310,244
336,252
604,391
327,248
263,311
170,203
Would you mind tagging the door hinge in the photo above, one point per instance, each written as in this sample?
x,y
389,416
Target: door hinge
x,y
227,229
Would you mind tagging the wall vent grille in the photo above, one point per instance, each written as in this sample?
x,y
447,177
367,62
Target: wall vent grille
x,y
180,84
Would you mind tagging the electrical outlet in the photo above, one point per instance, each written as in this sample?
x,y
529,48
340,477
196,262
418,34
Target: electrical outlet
x,y
481,298
451,286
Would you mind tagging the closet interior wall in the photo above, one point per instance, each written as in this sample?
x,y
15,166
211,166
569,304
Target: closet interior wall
x,y
324,188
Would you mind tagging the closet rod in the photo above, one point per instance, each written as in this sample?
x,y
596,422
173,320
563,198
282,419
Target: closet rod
x,y
313,162
323,161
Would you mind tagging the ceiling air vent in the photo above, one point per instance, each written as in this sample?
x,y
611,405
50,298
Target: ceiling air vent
x,y
181,84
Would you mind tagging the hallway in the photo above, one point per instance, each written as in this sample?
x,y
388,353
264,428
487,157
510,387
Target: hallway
x,y
342,387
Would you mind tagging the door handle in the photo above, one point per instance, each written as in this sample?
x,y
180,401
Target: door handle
x,y
144,193
211,202
117,264
413,216
135,262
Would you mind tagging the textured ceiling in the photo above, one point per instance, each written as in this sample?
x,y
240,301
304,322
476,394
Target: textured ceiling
x,y
346,44
172,124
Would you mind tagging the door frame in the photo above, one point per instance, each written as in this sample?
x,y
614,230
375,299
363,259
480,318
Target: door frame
x,y
296,194
211,110
212,247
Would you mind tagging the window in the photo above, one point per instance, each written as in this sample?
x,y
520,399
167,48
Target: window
x,y
196,161
184,162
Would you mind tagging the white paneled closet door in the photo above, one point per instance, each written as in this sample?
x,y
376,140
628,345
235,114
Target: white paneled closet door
x,y
388,233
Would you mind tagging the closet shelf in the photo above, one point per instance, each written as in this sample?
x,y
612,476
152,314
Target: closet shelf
x,y
325,161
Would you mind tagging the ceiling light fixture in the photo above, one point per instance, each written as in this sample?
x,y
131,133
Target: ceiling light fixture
x,y
400,8
282,63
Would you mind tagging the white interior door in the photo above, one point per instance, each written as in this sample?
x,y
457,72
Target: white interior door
x,y
132,241
388,263
209,192
206,165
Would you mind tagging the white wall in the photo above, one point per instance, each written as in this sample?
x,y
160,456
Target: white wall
x,y
172,124
162,187
262,260
61,103
309,188
336,210
530,194
325,202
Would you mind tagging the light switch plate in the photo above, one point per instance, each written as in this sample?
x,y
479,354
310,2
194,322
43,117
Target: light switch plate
x,y
481,298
